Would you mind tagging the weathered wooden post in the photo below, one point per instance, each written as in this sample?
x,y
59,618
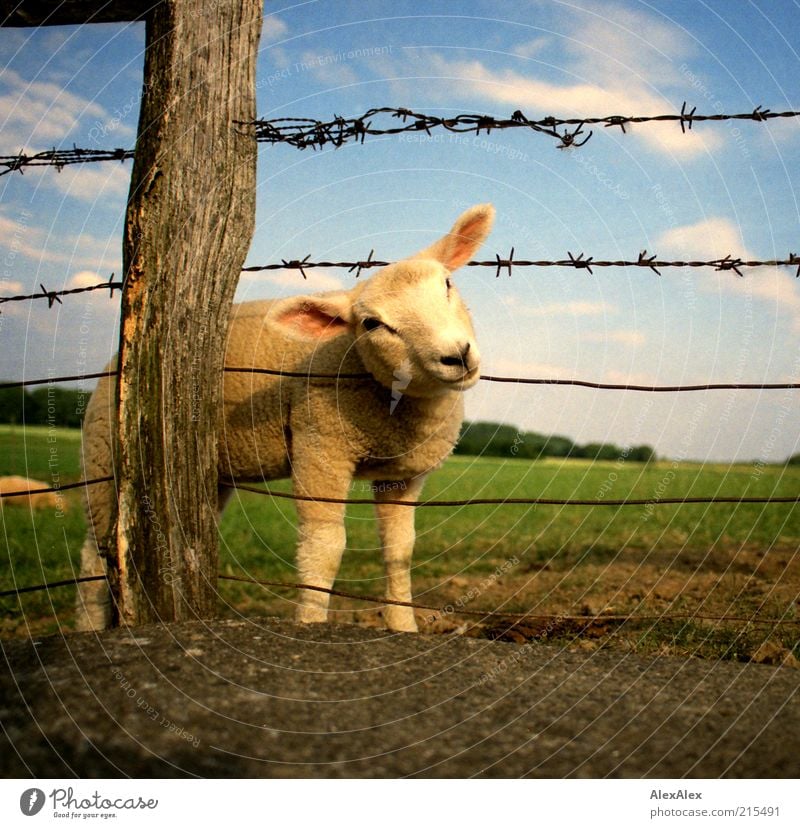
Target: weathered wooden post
x,y
190,219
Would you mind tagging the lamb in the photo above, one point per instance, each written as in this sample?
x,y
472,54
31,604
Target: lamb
x,y
42,500
409,329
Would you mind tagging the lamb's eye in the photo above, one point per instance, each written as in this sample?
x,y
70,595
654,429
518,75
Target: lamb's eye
x,y
371,323
449,285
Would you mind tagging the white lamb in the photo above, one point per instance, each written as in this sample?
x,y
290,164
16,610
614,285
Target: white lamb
x,y
406,326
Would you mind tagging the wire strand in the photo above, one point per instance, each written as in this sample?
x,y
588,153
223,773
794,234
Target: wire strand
x,y
442,611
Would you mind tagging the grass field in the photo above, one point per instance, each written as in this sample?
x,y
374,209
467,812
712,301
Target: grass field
x,y
561,561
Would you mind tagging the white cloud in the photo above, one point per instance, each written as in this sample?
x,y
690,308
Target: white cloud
x,y
273,28
629,378
599,59
629,338
328,68
317,280
574,308
35,115
537,98
85,278
18,237
531,48
717,237
529,370
90,182
704,239
782,133
619,45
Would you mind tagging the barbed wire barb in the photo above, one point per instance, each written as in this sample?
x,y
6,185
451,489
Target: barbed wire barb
x,y
644,261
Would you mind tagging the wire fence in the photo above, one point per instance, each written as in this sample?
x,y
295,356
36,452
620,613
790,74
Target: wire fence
x,y
472,501
60,158
518,501
365,377
501,265
444,611
54,296
579,262
304,133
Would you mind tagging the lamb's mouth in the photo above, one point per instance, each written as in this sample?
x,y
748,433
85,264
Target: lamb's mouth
x,y
467,377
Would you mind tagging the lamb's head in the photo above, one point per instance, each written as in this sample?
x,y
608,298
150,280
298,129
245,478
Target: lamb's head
x,y
409,324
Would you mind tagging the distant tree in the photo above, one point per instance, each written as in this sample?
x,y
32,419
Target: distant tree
x,y
794,460
501,440
556,446
641,454
12,405
531,446
493,439
598,451
60,407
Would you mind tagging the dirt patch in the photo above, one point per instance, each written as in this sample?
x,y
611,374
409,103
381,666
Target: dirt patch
x,y
675,594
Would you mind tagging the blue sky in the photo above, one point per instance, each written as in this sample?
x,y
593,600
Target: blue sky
x,y
724,188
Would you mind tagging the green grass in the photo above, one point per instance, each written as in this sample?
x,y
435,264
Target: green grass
x,y
39,546
720,558
38,451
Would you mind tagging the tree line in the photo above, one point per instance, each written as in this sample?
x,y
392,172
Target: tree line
x,y
499,440
64,408
45,405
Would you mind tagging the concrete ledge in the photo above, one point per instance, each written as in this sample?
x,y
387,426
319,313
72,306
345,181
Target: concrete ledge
x,y
268,698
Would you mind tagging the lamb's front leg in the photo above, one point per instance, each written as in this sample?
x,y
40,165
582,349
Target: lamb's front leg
x,y
397,541
321,532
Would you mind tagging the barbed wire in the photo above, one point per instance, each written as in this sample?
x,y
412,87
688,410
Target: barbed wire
x,y
303,133
445,611
501,265
310,132
505,265
61,158
53,296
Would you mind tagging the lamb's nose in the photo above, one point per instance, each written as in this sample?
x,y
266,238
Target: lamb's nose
x,y
457,359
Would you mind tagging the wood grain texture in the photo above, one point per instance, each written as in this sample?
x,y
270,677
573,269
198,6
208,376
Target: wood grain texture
x,y
190,219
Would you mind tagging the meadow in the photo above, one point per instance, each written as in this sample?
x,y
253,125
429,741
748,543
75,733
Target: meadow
x,y
570,562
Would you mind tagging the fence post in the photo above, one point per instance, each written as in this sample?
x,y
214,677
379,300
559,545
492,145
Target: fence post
x,y
191,213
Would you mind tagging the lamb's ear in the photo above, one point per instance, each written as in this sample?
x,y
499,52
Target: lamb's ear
x,y
314,317
463,240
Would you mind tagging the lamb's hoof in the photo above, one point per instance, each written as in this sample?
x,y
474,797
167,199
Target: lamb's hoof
x,y
400,619
311,615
